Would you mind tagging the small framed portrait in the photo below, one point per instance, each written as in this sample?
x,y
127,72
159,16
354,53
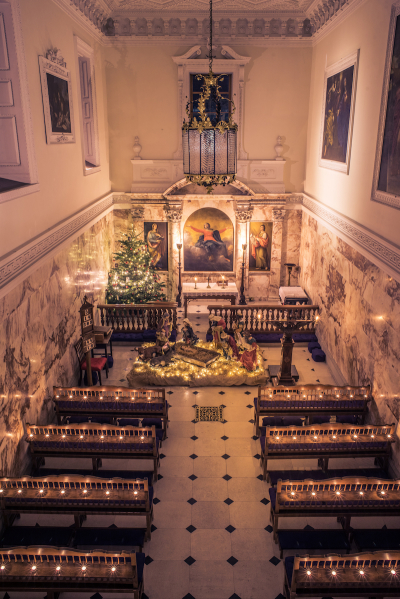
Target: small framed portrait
x,y
260,243
338,113
386,181
208,241
57,102
156,238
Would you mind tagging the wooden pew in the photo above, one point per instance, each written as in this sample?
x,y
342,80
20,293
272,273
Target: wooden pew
x,y
53,570
91,440
309,400
339,498
78,495
115,402
326,441
369,575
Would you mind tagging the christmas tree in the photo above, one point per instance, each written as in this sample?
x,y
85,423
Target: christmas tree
x,y
133,280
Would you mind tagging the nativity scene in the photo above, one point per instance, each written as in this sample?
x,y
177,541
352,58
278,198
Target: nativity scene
x,y
199,299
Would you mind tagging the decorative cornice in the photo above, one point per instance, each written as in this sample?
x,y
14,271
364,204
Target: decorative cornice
x,y
380,251
112,25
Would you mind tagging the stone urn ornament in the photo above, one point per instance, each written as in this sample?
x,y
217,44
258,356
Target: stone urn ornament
x,y
279,148
137,148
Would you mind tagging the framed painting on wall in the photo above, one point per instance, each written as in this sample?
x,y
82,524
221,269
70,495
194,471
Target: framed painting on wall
x,y
208,242
260,243
338,113
156,238
57,102
386,181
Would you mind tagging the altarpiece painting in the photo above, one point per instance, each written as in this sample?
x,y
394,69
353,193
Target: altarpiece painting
x,y
260,243
156,238
386,183
338,114
208,241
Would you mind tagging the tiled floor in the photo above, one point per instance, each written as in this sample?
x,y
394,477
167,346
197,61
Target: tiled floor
x,y
211,537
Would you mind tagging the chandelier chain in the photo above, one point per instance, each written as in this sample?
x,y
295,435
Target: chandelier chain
x,y
210,56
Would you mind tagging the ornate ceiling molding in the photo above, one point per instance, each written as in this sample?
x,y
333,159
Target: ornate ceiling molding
x,y
239,22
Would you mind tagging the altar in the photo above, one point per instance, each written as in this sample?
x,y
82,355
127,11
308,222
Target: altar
x,y
213,291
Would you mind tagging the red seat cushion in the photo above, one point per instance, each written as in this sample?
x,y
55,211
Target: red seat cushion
x,y
96,363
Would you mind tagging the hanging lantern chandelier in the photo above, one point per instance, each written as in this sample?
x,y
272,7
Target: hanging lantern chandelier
x,y
209,142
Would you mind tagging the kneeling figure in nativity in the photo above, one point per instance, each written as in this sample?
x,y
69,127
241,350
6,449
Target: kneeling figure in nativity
x,y
188,335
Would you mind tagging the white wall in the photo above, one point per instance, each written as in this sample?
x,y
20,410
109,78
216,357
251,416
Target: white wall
x,y
64,189
142,89
366,29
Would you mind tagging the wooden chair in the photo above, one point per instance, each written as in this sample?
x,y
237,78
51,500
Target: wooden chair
x,y
370,575
97,364
77,495
326,441
60,570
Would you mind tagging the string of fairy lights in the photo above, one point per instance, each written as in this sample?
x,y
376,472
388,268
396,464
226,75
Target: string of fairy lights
x,y
221,367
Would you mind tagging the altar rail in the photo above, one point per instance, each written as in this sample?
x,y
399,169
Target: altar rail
x,y
266,318
136,318
361,575
307,400
54,570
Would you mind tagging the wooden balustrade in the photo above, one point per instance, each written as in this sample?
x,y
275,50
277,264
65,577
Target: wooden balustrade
x,y
136,318
267,318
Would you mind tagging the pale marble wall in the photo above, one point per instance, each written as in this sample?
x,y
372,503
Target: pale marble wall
x,y
261,286
360,316
39,322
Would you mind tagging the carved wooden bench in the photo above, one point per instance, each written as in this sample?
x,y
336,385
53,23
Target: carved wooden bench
x,y
54,570
369,575
326,441
77,495
310,400
114,402
95,441
339,498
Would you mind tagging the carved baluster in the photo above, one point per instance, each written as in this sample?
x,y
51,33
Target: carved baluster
x,y
101,316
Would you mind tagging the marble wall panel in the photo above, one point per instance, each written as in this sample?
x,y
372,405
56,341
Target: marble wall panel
x,y
39,322
360,317
291,240
260,286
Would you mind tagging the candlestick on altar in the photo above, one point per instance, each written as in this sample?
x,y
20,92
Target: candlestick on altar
x,y
223,282
195,282
208,281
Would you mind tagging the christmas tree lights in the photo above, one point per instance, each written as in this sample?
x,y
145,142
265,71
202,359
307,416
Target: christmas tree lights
x,y
133,280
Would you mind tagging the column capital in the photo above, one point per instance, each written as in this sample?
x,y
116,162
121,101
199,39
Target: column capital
x,y
278,214
173,213
137,212
243,212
